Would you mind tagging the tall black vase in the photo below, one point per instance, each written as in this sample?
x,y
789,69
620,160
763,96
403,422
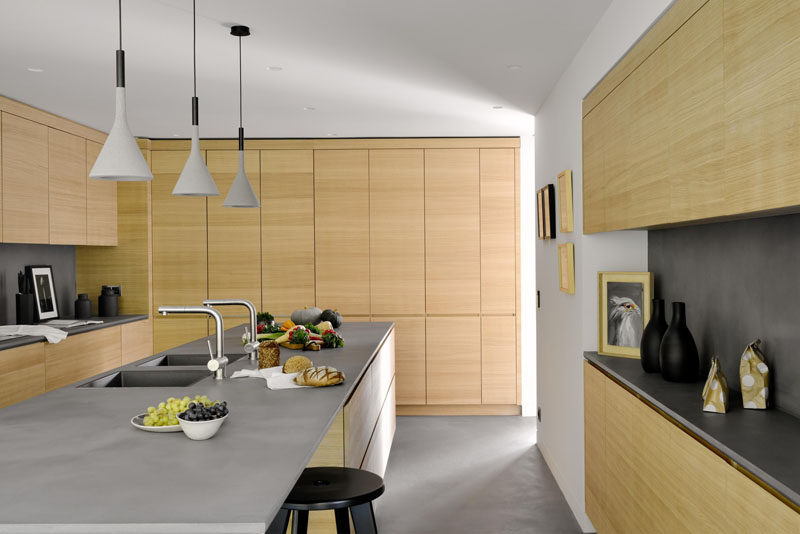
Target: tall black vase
x,y
678,353
651,338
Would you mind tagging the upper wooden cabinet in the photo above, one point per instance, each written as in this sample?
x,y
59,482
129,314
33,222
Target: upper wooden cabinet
x,y
341,221
25,181
397,231
287,234
67,172
101,204
452,231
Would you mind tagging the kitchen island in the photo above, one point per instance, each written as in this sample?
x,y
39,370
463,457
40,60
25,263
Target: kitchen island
x,y
72,462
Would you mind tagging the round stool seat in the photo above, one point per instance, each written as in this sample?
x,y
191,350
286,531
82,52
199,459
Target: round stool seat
x,y
329,488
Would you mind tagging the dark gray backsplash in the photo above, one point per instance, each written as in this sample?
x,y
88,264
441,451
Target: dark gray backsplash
x,y
14,258
740,282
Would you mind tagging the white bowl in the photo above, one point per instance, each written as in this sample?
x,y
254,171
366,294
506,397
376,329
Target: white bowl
x,y
200,430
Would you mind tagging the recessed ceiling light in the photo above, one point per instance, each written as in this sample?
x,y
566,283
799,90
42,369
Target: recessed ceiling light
x,y
514,67
309,108
35,69
497,107
331,135
274,68
176,135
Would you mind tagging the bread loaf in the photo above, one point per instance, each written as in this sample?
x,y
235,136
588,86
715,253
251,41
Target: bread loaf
x,y
319,376
295,364
269,354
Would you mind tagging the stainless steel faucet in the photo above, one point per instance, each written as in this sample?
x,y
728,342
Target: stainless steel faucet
x,y
252,346
218,361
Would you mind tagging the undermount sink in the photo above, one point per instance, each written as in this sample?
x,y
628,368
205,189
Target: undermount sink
x,y
148,378
172,360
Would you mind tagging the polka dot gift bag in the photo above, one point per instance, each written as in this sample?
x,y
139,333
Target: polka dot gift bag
x,y
715,392
754,377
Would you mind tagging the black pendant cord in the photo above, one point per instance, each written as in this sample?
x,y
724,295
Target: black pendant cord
x,y
120,24
120,53
195,102
241,127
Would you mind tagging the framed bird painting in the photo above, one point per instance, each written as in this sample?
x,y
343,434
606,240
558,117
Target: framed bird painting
x,y
623,311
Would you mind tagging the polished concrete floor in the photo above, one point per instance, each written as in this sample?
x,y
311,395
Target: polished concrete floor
x,y
470,475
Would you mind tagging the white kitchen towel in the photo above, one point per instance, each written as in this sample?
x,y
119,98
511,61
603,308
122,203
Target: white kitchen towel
x,y
53,335
275,377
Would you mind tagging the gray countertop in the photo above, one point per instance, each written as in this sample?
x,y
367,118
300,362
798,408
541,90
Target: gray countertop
x,y
72,462
764,442
107,322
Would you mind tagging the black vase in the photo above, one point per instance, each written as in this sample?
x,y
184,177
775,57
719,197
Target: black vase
x,y
678,353
651,338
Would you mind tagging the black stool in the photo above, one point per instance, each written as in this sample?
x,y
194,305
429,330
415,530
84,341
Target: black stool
x,y
331,488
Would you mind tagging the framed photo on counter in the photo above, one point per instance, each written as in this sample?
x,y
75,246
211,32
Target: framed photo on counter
x,y
624,300
44,291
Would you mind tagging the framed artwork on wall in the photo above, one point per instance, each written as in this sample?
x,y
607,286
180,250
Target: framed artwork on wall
x,y
545,204
540,212
566,268
623,311
565,201
44,291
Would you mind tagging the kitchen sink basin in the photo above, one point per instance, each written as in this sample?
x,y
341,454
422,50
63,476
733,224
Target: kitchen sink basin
x,y
154,378
172,360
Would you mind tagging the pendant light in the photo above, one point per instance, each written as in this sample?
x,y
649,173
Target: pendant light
x,y
120,158
241,194
195,180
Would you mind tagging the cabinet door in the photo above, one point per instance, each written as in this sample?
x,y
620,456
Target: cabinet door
x,y
452,231
594,400
25,181
397,231
21,373
498,360
762,99
341,200
101,204
81,356
234,237
751,508
498,246
594,190
137,340
409,358
287,233
453,362
67,188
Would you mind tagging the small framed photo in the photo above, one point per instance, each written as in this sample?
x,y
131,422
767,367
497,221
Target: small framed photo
x,y
44,291
624,300
545,203
565,201
566,268
540,211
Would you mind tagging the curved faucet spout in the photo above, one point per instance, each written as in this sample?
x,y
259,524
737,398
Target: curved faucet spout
x,y
253,315
221,360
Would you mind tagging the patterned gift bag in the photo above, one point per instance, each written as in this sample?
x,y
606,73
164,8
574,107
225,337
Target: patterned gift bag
x,y
754,377
715,392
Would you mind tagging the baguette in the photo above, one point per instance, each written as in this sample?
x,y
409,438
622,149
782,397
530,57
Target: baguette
x,y
319,376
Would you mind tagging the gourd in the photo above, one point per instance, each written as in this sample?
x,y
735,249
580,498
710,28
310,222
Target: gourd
x,y
308,315
334,317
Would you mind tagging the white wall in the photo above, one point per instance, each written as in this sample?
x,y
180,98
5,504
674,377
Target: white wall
x,y
567,324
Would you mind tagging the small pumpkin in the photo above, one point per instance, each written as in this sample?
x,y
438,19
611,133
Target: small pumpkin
x,y
307,315
333,317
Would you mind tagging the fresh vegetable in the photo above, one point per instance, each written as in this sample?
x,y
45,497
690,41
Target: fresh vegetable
x,y
311,328
307,315
265,318
298,336
324,326
333,316
332,340
271,335
268,328
288,325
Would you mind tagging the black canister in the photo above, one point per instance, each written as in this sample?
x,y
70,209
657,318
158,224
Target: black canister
x,y
25,308
108,303
83,306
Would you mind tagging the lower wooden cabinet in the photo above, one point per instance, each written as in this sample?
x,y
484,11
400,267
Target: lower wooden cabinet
x,y
81,356
21,373
137,341
453,356
645,474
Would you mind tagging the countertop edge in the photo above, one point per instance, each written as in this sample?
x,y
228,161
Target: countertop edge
x,y
132,528
734,458
112,321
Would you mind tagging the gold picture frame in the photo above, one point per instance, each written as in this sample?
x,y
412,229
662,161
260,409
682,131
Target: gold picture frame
x,y
540,211
546,206
624,301
566,268
565,214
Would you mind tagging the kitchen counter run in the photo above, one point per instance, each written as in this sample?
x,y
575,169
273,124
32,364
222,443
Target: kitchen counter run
x,y
72,462
107,323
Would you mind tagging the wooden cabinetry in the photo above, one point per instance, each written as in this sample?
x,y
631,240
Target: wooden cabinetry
x,y
498,360
341,229
234,237
21,373
452,232
409,358
453,362
67,188
287,233
645,474
136,341
81,356
25,180
101,204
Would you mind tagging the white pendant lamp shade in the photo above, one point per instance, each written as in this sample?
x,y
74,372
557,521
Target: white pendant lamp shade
x,y
241,194
195,180
120,158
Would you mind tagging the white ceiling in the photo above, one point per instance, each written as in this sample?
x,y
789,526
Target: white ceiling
x,y
370,68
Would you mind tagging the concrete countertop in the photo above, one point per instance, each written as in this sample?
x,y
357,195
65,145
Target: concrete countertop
x,y
764,442
72,462
107,323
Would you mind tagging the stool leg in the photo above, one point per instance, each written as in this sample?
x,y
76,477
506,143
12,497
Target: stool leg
x,y
279,522
364,519
300,522
342,521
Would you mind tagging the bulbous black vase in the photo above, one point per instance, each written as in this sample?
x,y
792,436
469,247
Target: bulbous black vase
x,y
651,338
678,353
